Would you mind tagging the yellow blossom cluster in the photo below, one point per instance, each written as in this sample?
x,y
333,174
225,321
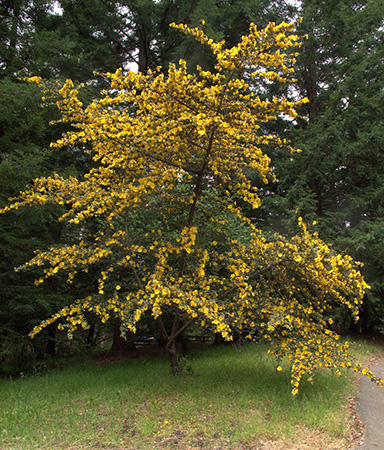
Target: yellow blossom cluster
x,y
172,155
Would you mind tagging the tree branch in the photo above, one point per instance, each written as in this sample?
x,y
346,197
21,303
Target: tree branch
x,y
178,332
165,161
196,197
162,329
251,277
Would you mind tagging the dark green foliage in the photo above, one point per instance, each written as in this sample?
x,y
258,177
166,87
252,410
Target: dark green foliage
x,y
22,158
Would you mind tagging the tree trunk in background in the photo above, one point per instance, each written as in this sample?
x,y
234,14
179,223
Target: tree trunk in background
x,y
50,348
120,344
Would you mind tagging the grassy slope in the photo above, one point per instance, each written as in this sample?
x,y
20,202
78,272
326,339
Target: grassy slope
x,y
234,400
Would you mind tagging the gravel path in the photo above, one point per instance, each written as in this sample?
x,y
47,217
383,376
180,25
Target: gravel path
x,y
371,409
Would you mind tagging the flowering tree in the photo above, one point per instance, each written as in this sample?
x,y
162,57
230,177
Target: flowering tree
x,y
172,157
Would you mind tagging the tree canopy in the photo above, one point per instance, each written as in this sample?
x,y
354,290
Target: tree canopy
x,y
172,158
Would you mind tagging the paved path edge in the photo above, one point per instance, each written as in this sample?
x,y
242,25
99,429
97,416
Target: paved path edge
x,y
370,409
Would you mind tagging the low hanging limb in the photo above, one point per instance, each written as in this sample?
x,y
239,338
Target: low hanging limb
x,y
251,277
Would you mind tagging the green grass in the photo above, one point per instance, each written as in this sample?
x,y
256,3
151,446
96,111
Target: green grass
x,y
234,400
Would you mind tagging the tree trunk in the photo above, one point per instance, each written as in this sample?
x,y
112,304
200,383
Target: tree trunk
x,y
143,65
173,358
50,348
91,336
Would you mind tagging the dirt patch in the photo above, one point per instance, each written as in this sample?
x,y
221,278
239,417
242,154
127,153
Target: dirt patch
x,y
354,431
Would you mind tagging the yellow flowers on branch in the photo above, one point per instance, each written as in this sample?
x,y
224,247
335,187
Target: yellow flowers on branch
x,y
172,154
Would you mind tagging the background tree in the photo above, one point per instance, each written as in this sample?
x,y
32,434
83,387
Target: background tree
x,y
22,159
104,36
24,155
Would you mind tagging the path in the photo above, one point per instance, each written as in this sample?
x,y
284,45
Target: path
x,y
371,409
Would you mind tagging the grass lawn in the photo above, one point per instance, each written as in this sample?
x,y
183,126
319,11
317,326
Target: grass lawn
x,y
234,400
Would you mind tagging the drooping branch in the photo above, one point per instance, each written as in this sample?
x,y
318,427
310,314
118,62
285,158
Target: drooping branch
x,y
251,277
